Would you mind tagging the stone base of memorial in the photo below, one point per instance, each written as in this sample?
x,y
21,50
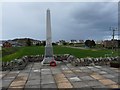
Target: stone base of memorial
x,y
47,60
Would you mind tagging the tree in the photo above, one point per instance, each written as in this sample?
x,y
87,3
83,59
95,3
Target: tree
x,y
43,43
90,43
87,43
64,43
37,44
28,42
118,43
71,44
93,43
54,44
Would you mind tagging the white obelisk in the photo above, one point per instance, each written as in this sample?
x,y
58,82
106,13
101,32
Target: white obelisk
x,y
48,57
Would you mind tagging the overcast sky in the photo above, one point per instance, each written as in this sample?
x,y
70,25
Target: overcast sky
x,y
83,20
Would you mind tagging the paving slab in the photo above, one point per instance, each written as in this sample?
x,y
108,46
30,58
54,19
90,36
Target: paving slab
x,y
64,67
98,66
117,80
16,88
21,78
36,71
2,75
64,85
5,72
0,83
20,87
82,74
67,71
83,68
107,82
89,67
102,72
23,75
17,83
77,71
51,85
79,84
8,78
86,71
34,78
106,69
95,69
25,71
74,68
46,71
97,76
6,83
47,80
61,75
61,80
36,87
11,75
93,83
108,76
85,78
70,75
99,87
33,82
114,86
55,71
74,79
69,65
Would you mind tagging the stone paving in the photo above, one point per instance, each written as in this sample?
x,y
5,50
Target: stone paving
x,y
62,76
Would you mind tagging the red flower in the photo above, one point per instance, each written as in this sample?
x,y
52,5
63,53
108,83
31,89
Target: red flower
x,y
53,63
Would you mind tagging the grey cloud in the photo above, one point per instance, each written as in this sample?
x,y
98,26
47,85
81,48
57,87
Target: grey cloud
x,y
69,20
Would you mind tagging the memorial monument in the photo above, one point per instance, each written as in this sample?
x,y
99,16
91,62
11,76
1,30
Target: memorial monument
x,y
48,57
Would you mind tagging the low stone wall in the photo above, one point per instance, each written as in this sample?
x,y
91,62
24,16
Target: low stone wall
x,y
91,61
20,64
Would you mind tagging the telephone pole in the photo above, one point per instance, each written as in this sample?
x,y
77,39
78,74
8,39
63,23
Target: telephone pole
x,y
113,37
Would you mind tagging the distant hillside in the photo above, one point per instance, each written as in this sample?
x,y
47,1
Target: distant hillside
x,y
24,40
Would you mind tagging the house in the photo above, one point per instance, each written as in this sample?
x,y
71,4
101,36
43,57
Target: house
x,y
73,41
7,44
110,43
35,42
15,43
61,42
99,42
81,41
1,44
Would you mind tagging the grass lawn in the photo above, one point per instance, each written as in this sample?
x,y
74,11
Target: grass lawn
x,y
39,50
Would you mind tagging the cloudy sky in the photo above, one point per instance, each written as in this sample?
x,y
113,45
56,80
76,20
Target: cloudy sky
x,y
70,20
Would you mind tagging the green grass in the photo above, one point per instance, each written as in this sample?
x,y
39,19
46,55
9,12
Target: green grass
x,y
24,51
83,53
7,51
39,50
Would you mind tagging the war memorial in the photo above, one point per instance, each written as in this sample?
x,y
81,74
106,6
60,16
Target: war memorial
x,y
52,72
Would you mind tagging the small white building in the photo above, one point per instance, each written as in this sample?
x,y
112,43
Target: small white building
x,y
73,41
61,42
80,41
99,42
36,42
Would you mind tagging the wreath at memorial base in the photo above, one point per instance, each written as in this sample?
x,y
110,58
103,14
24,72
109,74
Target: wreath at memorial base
x,y
53,63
